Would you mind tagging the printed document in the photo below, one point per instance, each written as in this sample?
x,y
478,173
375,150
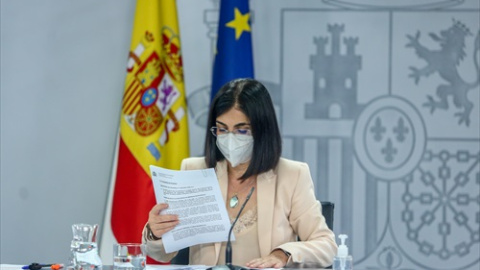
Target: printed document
x,y
194,196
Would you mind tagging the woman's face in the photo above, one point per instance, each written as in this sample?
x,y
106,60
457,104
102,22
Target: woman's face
x,y
233,120
234,138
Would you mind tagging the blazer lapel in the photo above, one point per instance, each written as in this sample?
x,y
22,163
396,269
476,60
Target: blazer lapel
x,y
265,204
222,175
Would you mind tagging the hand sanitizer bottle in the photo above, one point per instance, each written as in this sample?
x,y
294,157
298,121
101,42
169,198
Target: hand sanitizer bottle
x,y
342,261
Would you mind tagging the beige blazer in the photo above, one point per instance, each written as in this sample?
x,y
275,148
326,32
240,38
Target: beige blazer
x,y
286,207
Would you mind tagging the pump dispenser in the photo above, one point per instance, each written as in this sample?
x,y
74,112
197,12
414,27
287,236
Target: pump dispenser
x,y
342,261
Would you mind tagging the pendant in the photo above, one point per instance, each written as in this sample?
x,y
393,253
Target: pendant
x,y
233,201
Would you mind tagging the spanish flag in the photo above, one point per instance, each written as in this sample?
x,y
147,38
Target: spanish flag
x,y
153,122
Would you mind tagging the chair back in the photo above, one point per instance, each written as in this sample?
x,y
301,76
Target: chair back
x,y
327,212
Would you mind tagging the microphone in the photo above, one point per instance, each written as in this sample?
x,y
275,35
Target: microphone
x,y
228,250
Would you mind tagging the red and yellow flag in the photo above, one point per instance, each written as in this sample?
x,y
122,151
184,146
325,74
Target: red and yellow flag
x,y
153,124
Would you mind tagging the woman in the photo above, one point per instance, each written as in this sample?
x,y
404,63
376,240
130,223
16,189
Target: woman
x,y
244,145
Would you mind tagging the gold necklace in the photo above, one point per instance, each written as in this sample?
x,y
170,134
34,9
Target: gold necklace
x,y
234,199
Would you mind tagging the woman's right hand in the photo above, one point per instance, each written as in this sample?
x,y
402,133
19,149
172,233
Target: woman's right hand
x,y
160,224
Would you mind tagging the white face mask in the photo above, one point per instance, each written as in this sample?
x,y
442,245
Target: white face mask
x,y
236,148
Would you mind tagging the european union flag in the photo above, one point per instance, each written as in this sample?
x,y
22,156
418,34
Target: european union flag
x,y
233,58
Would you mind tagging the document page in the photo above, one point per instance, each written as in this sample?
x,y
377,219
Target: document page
x,y
194,196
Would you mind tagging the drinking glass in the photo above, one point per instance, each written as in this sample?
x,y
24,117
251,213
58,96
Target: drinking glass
x,y
129,256
83,248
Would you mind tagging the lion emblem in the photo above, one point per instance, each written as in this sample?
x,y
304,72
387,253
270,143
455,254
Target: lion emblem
x,y
445,62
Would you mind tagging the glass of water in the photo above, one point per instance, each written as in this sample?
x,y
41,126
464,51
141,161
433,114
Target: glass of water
x,y
129,256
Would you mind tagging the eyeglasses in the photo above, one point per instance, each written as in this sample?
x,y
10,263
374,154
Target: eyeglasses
x,y
238,131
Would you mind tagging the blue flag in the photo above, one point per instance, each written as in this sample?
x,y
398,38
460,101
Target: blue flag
x,y
233,57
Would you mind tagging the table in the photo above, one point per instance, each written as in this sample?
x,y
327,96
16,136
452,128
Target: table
x,y
162,267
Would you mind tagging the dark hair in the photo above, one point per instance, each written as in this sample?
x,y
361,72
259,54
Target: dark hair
x,y
253,99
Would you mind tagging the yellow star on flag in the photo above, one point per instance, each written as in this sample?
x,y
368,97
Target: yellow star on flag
x,y
240,23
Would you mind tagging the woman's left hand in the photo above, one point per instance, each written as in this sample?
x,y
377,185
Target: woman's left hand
x,y
276,259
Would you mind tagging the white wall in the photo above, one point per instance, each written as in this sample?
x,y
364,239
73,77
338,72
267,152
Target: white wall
x,y
62,74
